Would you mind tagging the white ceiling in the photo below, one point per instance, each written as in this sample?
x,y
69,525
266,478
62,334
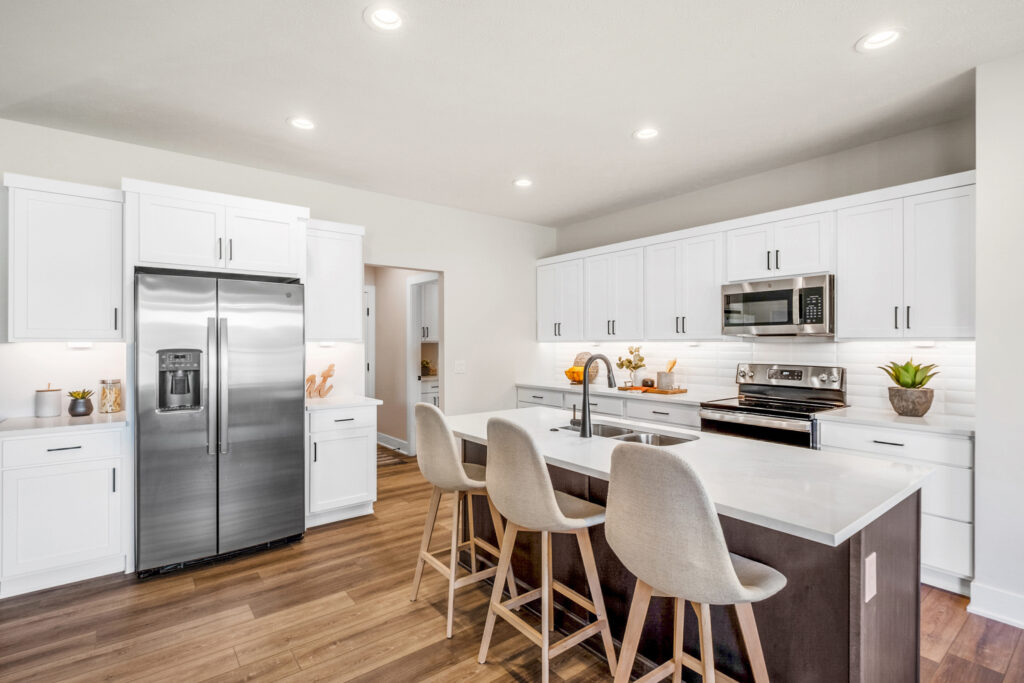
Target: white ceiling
x,y
470,94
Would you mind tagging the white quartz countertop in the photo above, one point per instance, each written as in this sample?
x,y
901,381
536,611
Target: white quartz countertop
x,y
341,401
694,394
822,496
936,423
23,426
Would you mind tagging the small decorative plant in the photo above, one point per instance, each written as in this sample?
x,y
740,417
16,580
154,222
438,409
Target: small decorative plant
x,y
80,405
80,395
910,397
633,362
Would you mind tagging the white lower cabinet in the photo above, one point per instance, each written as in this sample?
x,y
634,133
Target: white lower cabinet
x,y
62,510
947,497
341,464
529,396
673,413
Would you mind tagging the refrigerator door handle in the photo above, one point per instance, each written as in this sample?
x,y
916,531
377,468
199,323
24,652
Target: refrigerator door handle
x,y
211,386
222,381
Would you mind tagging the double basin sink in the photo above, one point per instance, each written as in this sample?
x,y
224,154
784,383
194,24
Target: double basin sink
x,y
635,435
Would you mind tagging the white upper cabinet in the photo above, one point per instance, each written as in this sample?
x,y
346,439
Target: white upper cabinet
x,y
430,327
185,228
560,301
869,271
682,289
614,287
64,261
906,268
938,264
334,281
796,246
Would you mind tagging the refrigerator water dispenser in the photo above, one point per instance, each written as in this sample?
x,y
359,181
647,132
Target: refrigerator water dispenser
x,y
179,383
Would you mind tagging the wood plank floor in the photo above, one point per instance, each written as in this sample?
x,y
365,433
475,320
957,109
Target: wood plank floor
x,y
335,606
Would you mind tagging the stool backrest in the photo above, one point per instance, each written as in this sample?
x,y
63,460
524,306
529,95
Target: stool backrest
x,y
437,453
663,527
517,478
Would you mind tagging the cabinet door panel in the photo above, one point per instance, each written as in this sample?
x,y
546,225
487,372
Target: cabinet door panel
x,y
628,295
702,286
547,294
429,308
334,286
803,245
60,515
181,232
869,273
663,283
569,302
598,278
66,267
343,470
938,285
262,242
748,253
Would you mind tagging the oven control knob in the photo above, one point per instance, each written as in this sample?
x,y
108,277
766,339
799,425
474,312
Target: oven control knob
x,y
834,378
823,377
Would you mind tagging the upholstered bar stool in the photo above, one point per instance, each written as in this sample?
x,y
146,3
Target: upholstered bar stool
x,y
664,528
519,484
438,457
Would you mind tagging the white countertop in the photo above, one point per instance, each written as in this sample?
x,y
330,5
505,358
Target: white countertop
x,y
932,422
22,426
822,496
341,401
694,395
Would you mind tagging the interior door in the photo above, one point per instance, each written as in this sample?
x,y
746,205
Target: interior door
x,y
67,265
262,242
748,251
181,232
701,274
803,245
938,271
869,272
262,411
663,282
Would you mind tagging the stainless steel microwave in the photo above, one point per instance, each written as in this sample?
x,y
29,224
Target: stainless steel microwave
x,y
794,306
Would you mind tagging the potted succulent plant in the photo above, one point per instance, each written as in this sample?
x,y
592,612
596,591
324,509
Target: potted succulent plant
x,y
633,362
910,397
80,405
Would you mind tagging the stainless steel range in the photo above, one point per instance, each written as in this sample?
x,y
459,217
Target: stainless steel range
x,y
777,403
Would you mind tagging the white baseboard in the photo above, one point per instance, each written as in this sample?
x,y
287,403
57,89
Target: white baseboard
x,y
998,604
947,582
318,518
400,445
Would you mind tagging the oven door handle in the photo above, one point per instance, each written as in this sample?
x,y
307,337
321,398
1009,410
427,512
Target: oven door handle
x,y
756,420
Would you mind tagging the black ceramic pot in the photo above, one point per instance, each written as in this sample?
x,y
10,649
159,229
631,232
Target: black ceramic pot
x,y
80,407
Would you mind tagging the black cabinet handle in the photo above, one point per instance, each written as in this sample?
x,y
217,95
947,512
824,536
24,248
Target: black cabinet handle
x,y
608,327
115,318
776,259
428,331
887,443
677,324
613,326
554,329
908,317
231,249
559,329
684,324
344,419
895,317
658,412
768,257
539,397
220,248
314,451
64,448
113,480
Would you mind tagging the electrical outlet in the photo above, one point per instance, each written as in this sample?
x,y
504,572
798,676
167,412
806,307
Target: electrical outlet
x,y
459,367
870,577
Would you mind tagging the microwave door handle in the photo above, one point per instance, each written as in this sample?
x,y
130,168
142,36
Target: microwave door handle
x,y
211,386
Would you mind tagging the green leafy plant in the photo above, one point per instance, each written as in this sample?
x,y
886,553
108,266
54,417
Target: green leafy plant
x,y
633,362
82,394
910,375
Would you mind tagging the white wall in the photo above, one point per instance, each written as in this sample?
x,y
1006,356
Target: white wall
x,y
489,312
998,588
27,367
926,153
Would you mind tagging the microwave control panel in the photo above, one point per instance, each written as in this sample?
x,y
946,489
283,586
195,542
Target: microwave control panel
x,y
812,305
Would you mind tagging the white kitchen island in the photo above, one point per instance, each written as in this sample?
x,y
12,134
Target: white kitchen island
x,y
844,529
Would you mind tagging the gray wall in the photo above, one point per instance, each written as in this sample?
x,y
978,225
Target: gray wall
x,y
926,153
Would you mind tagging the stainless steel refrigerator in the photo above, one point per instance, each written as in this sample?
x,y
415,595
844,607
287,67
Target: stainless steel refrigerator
x,y
220,405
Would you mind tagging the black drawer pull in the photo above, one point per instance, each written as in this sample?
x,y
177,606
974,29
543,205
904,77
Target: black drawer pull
x,y
345,419
659,412
887,443
65,448
593,404
540,397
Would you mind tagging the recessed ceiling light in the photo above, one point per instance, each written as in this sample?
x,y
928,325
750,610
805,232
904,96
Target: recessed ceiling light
x,y
382,18
878,39
523,182
645,133
301,123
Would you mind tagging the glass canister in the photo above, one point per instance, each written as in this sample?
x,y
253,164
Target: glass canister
x,y
110,396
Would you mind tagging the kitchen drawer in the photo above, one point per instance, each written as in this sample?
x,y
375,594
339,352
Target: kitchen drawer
x,y
434,385
664,412
605,405
342,418
947,545
540,397
57,448
933,448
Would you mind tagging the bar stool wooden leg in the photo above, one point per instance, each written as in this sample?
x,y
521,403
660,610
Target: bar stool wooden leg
x,y
679,609
453,564
634,628
596,596
752,641
550,593
545,605
472,534
504,565
499,533
707,648
428,531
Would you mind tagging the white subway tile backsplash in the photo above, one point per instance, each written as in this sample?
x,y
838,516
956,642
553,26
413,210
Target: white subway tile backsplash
x,y
714,364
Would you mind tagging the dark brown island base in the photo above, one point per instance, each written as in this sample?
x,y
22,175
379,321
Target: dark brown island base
x,y
847,613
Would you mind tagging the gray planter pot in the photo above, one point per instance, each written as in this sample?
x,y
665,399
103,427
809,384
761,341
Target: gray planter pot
x,y
911,402
80,407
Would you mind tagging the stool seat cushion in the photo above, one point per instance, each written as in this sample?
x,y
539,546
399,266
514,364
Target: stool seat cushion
x,y
759,580
581,514
477,474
